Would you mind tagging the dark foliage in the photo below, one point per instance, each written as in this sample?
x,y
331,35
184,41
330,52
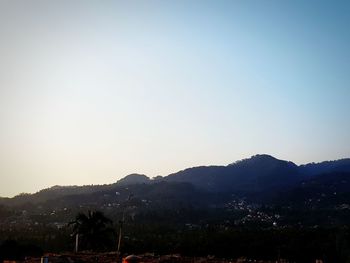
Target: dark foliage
x,y
94,230
12,250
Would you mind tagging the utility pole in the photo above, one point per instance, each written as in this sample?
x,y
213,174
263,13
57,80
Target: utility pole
x,y
120,233
76,242
121,222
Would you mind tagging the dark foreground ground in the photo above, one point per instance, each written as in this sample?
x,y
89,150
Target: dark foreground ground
x,y
112,258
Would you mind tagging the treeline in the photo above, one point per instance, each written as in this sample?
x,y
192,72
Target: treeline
x,y
296,245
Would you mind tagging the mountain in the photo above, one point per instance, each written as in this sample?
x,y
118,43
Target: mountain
x,y
256,174
54,192
311,169
260,176
273,204
134,179
325,190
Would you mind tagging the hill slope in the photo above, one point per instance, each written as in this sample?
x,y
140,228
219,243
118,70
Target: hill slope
x,y
260,174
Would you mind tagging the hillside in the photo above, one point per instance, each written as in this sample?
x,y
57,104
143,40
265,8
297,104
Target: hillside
x,y
259,175
261,200
256,174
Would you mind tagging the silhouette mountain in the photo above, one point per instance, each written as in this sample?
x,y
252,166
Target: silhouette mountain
x,y
341,165
256,174
134,179
261,175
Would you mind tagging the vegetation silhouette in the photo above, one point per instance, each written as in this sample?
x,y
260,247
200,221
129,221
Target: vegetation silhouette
x,y
13,250
93,231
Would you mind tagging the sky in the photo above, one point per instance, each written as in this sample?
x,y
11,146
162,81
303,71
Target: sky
x,y
91,91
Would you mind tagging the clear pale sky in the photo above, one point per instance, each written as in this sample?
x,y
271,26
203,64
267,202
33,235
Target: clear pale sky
x,y
91,91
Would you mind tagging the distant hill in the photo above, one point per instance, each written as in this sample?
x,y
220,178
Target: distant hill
x,y
53,192
325,190
342,165
250,202
261,175
256,174
134,179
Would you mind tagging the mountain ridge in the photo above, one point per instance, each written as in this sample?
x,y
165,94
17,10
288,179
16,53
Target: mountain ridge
x,y
258,174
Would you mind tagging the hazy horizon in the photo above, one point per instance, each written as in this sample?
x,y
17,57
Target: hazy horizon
x,y
92,91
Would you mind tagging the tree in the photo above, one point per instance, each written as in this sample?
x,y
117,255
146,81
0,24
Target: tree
x,y
93,230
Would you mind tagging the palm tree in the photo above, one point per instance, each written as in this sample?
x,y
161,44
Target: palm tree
x,y
92,230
